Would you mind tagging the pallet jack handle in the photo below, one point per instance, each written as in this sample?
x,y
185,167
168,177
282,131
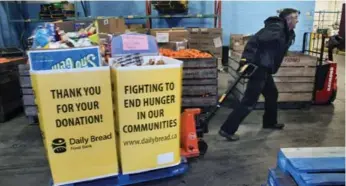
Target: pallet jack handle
x,y
246,71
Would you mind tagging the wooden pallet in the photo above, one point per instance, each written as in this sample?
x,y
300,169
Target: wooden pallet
x,y
30,108
200,82
294,80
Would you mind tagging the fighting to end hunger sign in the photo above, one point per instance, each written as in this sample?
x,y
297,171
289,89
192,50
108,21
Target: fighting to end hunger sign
x,y
148,103
77,121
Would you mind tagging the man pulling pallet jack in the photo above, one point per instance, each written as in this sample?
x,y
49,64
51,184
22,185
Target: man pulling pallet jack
x,y
265,50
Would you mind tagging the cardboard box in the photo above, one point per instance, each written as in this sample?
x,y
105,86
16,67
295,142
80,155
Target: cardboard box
x,y
75,139
137,30
206,39
204,33
149,129
174,34
111,26
135,26
175,45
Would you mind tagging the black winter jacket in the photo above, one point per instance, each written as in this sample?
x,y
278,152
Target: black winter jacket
x,y
269,45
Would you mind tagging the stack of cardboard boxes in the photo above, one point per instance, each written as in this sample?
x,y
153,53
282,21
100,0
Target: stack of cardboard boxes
x,y
206,39
111,26
137,28
172,38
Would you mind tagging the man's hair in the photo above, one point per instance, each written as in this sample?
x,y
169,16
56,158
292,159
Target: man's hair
x,y
287,11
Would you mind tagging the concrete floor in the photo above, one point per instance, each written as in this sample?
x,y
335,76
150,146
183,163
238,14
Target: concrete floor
x,y
242,163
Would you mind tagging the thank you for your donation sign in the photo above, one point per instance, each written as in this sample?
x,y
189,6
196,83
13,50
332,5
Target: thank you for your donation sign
x,y
148,105
76,118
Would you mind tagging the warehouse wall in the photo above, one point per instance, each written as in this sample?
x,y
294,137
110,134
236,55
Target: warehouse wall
x,y
237,16
247,17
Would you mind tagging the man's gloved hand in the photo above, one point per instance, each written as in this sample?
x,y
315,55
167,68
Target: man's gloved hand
x,y
242,62
246,69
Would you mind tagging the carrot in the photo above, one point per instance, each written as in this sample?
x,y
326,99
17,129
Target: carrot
x,y
185,53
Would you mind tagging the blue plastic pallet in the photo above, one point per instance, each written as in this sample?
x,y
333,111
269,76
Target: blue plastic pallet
x,y
129,179
314,166
278,178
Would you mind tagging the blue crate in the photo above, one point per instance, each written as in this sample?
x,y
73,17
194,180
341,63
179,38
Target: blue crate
x,y
314,166
129,179
278,178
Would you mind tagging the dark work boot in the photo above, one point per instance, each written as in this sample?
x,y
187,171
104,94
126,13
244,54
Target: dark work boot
x,y
277,126
229,137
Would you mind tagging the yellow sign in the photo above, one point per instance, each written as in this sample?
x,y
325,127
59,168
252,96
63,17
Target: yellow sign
x,y
77,122
148,104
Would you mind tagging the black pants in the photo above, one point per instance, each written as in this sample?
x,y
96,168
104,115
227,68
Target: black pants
x,y
261,82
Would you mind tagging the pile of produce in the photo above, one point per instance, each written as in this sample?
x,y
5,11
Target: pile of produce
x,y
48,35
185,53
134,60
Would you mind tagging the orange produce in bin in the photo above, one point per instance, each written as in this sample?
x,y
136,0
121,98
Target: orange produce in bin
x,y
184,53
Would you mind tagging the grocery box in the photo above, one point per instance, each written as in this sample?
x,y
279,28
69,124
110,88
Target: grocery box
x,y
131,43
77,122
111,26
208,39
148,102
165,35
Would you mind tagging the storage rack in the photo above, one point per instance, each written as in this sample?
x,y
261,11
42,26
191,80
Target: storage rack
x,y
216,15
148,9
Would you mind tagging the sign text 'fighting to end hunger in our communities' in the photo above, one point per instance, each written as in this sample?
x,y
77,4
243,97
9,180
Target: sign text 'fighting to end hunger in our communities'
x,y
158,101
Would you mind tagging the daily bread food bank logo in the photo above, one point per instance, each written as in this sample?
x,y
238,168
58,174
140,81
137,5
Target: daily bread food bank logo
x,y
59,145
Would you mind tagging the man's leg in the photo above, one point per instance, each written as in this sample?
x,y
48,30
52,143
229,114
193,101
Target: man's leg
x,y
254,88
270,94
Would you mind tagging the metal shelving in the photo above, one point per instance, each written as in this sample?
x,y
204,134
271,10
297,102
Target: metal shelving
x,y
125,17
148,17
216,15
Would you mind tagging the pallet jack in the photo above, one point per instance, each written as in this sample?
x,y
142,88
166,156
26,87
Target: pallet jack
x,y
194,122
325,89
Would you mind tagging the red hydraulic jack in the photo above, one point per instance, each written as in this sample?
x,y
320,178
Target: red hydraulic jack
x,y
191,145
